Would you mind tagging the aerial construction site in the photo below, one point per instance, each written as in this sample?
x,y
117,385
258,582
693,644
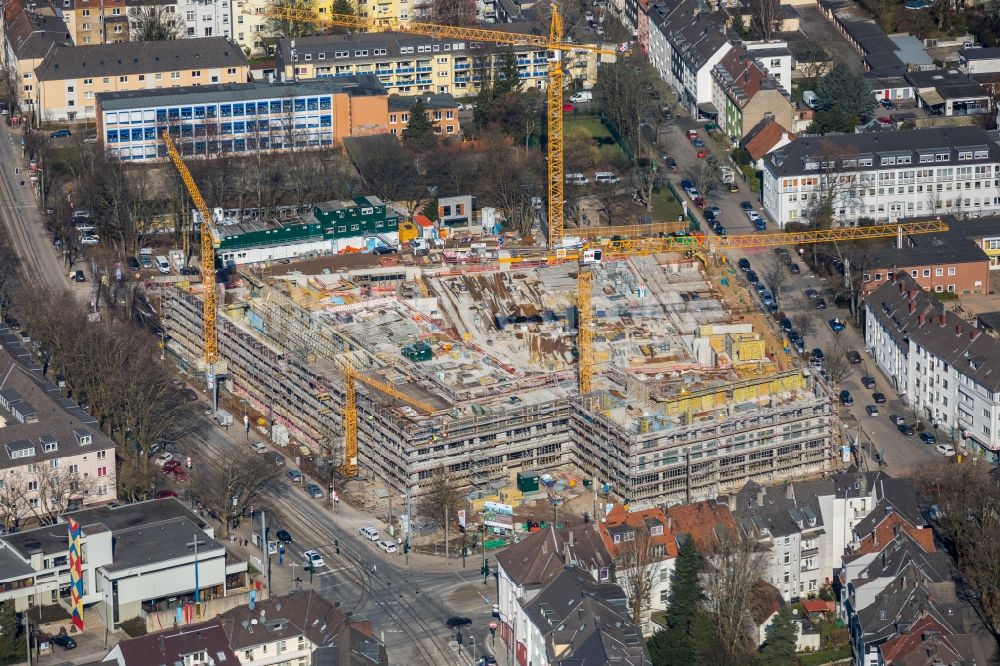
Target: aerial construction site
x,y
398,367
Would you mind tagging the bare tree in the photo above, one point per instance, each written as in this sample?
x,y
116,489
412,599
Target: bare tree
x,y
231,489
279,28
389,172
776,276
705,179
443,500
153,23
47,492
765,18
627,92
737,566
9,265
836,363
509,179
637,566
13,504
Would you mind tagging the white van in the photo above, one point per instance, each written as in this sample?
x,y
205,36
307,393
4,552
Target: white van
x,y
576,179
582,96
606,177
810,99
162,264
369,533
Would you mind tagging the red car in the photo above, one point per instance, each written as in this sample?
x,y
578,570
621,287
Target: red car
x,y
568,108
702,153
699,202
179,475
171,466
165,494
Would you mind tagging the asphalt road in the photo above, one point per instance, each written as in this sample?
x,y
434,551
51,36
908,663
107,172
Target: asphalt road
x,y
20,216
408,603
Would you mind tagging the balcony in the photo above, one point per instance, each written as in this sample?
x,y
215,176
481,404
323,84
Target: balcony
x,y
462,65
404,70
424,69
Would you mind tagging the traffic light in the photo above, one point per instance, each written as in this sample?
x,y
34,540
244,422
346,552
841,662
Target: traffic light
x,y
406,546
458,636
336,544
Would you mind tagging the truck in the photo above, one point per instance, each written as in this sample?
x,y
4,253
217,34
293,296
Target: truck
x,y
727,175
582,96
810,99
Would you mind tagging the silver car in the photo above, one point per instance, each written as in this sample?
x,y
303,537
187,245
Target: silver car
x,y
315,491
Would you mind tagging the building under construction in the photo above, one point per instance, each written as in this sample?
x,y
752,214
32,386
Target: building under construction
x,y
691,397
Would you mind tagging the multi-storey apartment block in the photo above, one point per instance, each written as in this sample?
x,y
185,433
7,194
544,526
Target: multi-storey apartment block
x,y
410,65
940,365
884,176
70,77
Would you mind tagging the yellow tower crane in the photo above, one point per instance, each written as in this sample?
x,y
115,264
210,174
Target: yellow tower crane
x,y
554,98
585,336
351,376
207,265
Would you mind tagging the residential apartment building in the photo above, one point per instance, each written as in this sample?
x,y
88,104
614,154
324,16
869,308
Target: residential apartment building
x,y
298,629
884,176
411,65
92,22
70,77
28,37
745,95
194,644
942,263
776,58
685,44
641,538
441,109
240,118
940,365
138,561
53,455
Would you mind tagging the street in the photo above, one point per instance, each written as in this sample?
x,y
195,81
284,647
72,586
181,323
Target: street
x,y
407,603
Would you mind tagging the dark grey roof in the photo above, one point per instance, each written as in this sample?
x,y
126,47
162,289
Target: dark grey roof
x,y
591,618
534,561
121,58
13,566
942,333
694,34
154,542
790,160
891,495
942,250
949,83
989,320
32,35
299,613
903,555
51,420
781,510
361,85
903,602
437,101
980,52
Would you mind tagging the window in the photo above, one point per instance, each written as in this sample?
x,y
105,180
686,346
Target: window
x,y
158,77
32,486
927,272
74,469
102,471
49,447
986,430
231,71
122,79
189,16
951,270
101,455
88,82
175,75
938,272
602,573
33,502
54,463
196,74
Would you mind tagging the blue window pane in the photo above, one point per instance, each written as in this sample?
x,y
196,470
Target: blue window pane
x,y
136,134
239,128
325,121
199,146
227,128
300,104
112,136
237,109
261,107
264,142
149,134
226,110
212,111
286,105
312,103
251,109
187,130
227,146
174,113
241,145
324,103
275,106
262,125
199,112
186,112
161,150
161,115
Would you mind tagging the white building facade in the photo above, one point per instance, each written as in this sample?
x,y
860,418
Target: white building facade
x,y
884,176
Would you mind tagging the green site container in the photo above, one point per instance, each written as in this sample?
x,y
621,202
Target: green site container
x,y
527,482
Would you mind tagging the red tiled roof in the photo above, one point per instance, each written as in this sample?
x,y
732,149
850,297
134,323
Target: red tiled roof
x,y
766,601
747,75
884,532
700,520
817,606
921,643
763,139
618,516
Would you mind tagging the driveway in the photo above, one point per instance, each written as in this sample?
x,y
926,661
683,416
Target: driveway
x,y
820,30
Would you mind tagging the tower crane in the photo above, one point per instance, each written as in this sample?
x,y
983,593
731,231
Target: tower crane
x,y
351,376
554,94
207,266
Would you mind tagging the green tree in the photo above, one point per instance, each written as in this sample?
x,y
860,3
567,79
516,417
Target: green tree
x,y
11,638
506,78
829,121
419,132
844,91
739,26
779,648
683,641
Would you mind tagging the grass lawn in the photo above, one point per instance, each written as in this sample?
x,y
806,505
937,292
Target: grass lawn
x,y
596,129
824,656
665,207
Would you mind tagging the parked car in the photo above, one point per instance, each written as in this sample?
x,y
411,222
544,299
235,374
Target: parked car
x,y
133,263
295,475
278,459
569,107
887,104
818,354
811,293
836,325
872,410
165,494
879,398
387,546
868,382
455,622
928,438
746,205
820,304
163,459
60,134
743,264
854,357
315,491
259,447
846,398
945,449
906,429
313,559
78,276
65,642
90,240
284,536
752,277
714,210
170,466
785,324
897,420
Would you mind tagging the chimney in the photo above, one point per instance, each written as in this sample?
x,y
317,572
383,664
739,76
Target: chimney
x,y
895,277
942,320
913,294
571,540
913,306
731,502
760,496
789,491
921,318
902,288
974,334
670,523
958,330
